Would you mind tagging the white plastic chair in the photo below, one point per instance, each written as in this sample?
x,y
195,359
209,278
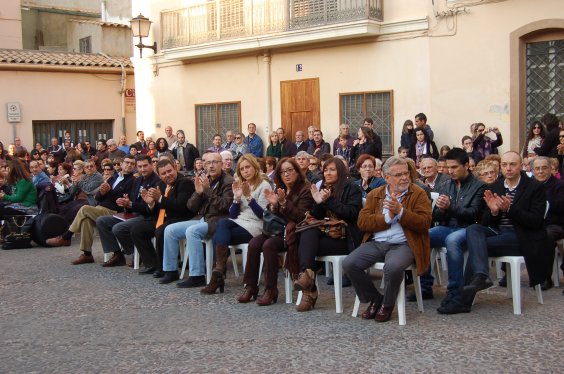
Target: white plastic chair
x,y
244,249
337,262
437,253
513,271
400,301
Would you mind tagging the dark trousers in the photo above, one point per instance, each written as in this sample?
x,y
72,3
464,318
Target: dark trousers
x,y
483,242
313,243
114,232
228,232
554,233
396,258
143,232
269,247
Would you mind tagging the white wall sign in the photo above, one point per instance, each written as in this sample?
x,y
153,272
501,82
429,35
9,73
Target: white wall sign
x,y
14,112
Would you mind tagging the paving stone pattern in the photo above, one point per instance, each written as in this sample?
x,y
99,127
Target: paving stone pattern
x,y
59,318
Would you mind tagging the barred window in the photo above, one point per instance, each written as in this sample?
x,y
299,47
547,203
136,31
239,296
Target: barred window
x,y
376,105
214,119
85,45
545,79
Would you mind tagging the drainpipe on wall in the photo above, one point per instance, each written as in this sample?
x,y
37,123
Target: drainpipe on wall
x,y
266,60
121,91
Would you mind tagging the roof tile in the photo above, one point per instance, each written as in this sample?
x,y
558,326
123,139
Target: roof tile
x,y
27,56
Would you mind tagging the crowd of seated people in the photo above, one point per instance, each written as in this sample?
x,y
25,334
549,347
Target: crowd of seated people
x,y
393,210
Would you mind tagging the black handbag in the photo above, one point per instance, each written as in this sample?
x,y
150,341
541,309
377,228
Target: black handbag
x,y
17,231
272,225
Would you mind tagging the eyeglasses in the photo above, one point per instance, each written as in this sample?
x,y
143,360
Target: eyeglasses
x,y
215,162
237,137
484,173
399,175
88,166
287,171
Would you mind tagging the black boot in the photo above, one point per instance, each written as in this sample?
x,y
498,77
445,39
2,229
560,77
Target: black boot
x,y
169,277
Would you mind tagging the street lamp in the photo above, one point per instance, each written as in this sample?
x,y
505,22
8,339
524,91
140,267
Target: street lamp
x,y
140,27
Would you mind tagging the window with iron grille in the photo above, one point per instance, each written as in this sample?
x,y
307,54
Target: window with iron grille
x,y
545,79
356,107
85,45
214,119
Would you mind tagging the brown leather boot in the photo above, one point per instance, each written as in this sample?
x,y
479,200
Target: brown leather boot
x,y
308,300
250,293
305,281
216,281
269,297
221,256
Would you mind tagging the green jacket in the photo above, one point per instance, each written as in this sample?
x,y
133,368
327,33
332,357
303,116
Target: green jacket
x,y
24,192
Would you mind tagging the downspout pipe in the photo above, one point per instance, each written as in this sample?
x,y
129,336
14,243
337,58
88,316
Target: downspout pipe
x,y
266,59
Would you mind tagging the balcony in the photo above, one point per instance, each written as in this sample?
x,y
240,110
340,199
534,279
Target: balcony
x,y
264,23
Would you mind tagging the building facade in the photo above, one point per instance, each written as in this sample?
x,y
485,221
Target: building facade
x,y
291,63
55,86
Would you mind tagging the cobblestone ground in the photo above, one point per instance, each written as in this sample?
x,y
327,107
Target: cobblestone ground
x,y
71,319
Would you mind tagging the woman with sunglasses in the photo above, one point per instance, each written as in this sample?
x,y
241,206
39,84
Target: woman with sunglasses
x,y
238,148
484,145
535,138
107,169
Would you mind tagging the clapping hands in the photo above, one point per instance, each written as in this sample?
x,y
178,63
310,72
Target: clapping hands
x,y
320,195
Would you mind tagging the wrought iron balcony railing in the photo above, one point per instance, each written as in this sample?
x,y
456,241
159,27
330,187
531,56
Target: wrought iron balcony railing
x,y
216,20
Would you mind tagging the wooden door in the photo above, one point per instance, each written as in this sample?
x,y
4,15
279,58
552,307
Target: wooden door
x,y
300,105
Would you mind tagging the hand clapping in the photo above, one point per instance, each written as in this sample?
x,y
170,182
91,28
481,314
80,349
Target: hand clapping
x,y
320,195
393,206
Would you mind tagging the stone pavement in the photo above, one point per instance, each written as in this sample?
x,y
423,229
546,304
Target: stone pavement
x,y
55,317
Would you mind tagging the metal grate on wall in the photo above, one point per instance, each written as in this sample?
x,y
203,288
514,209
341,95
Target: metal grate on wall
x,y
80,130
376,105
214,119
545,80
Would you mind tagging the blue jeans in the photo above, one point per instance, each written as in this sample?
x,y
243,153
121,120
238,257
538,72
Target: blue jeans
x,y
499,241
194,231
454,240
227,232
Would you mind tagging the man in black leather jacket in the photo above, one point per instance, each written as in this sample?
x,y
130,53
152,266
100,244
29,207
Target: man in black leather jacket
x,y
460,204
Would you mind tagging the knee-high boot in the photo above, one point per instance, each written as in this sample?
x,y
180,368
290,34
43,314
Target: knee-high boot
x,y
217,279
